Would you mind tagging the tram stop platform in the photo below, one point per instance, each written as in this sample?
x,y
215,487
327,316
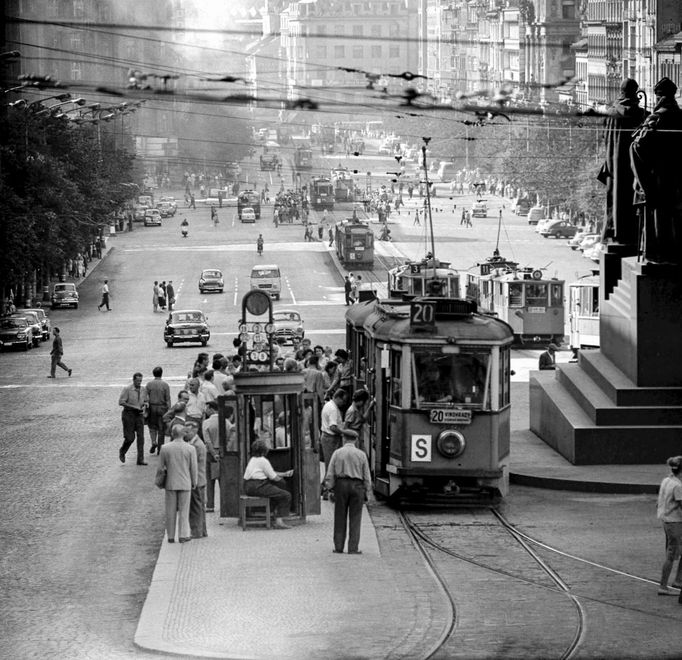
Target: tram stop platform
x,y
271,593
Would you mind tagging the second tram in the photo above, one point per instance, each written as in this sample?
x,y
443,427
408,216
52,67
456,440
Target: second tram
x,y
248,198
427,277
440,374
355,244
530,303
303,158
321,193
583,312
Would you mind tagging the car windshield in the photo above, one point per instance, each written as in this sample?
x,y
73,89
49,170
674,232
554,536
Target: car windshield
x,y
212,273
265,272
287,316
187,317
13,323
64,287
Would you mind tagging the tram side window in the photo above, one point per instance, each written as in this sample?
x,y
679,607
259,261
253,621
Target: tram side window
x,y
516,294
450,379
505,372
536,295
589,301
396,393
557,295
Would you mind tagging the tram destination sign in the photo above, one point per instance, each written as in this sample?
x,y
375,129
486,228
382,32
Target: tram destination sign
x,y
423,315
449,416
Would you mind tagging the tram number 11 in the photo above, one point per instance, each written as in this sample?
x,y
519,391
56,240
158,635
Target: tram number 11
x,y
422,314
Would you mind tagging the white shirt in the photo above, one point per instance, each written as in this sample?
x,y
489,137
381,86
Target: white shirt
x,y
209,390
218,379
670,500
331,416
105,288
259,467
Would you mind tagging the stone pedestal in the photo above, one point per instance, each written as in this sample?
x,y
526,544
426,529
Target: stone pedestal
x,y
623,403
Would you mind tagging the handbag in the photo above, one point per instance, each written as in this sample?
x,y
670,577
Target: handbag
x,y
160,478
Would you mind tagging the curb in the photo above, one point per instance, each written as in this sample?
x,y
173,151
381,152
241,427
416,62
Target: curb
x,y
583,486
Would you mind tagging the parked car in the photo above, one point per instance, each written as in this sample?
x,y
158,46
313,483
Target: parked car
x,y
248,214
138,212
521,206
44,321
594,252
288,324
211,279
166,210
559,229
186,325
589,241
34,322
16,331
170,201
152,218
479,209
536,214
574,242
65,294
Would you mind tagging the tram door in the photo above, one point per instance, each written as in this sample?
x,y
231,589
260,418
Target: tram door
x,y
287,423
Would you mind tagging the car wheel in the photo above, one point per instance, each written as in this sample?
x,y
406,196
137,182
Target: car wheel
x,y
169,343
204,342
220,290
75,306
201,291
27,345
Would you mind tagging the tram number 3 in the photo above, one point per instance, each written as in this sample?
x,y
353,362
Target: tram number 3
x,y
422,314
421,449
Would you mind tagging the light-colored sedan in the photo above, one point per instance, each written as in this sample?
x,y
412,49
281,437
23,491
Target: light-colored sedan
x,y
589,241
288,324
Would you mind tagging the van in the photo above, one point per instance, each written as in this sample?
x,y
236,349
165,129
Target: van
x,y
536,214
447,171
268,279
479,209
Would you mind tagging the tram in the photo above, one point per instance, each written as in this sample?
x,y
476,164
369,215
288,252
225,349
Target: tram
x,y
321,193
354,244
303,158
427,277
440,374
583,312
343,184
530,303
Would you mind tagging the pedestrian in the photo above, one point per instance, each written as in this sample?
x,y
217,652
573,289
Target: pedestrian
x,y
192,201
349,479
332,428
331,237
464,218
170,293
155,296
105,296
670,514
162,295
159,400
211,433
180,461
320,231
196,402
260,480
56,354
357,415
134,401
347,288
547,360
197,500
353,288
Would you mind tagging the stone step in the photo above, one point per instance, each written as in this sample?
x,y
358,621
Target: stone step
x,y
558,419
602,411
620,388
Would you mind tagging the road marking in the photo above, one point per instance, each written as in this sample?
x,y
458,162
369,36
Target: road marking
x,y
293,298
294,248
236,291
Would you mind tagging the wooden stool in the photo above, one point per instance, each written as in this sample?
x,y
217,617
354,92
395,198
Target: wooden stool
x,y
247,502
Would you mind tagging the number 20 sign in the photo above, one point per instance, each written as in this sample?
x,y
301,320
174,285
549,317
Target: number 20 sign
x,y
422,314
421,448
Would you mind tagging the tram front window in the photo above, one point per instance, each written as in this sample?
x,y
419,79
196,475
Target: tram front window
x,y
448,380
536,295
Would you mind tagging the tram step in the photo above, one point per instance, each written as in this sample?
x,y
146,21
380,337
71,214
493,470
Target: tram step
x,y
557,418
603,411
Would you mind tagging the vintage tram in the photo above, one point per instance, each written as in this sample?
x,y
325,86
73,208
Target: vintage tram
x,y
429,276
321,193
583,312
440,373
532,304
354,244
303,158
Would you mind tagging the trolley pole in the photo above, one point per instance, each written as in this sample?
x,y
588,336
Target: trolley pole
x,y
428,204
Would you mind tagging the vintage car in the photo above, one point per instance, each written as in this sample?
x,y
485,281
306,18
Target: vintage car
x,y
44,321
16,331
248,214
288,324
479,209
211,280
186,325
34,322
171,202
166,210
152,218
559,229
64,294
138,212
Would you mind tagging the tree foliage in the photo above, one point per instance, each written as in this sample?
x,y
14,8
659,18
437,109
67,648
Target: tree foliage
x,y
59,185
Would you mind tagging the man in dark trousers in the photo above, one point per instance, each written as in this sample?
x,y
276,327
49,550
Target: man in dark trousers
x,y
56,354
347,288
349,479
105,296
170,295
547,359
134,400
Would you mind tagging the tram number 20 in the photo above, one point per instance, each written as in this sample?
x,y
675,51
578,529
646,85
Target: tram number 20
x,y
421,448
422,314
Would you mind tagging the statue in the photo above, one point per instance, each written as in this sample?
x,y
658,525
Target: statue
x,y
655,158
623,117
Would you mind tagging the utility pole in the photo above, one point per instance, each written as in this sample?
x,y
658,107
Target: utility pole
x,y
428,203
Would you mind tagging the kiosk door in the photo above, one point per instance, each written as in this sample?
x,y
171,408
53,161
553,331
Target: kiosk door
x,y
231,466
310,452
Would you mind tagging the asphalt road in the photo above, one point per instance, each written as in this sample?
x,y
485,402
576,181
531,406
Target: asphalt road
x,y
81,531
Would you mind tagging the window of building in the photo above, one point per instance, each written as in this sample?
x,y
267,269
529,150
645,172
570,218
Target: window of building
x,y
376,30
394,51
76,71
358,52
357,30
76,42
393,29
339,52
339,30
376,52
320,52
78,9
53,8
568,9
321,29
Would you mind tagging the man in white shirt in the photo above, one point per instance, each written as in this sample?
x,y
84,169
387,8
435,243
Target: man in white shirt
x,y
196,403
670,514
105,296
207,387
332,429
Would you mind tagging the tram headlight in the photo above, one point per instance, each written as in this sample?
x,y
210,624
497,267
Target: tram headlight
x,y
451,444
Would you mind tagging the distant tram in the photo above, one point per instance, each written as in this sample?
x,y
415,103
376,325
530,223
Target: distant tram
x,y
355,244
343,184
248,198
321,193
440,374
303,158
583,312
530,303
427,277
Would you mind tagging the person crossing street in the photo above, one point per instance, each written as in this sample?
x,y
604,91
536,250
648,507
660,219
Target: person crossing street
x,y
56,354
105,296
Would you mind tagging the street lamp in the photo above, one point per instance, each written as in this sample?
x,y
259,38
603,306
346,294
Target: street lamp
x,y
49,109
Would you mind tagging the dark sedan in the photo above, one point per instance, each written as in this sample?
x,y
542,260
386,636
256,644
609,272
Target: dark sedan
x,y
15,331
559,229
186,325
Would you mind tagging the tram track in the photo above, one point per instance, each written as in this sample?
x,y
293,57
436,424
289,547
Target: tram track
x,y
485,539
